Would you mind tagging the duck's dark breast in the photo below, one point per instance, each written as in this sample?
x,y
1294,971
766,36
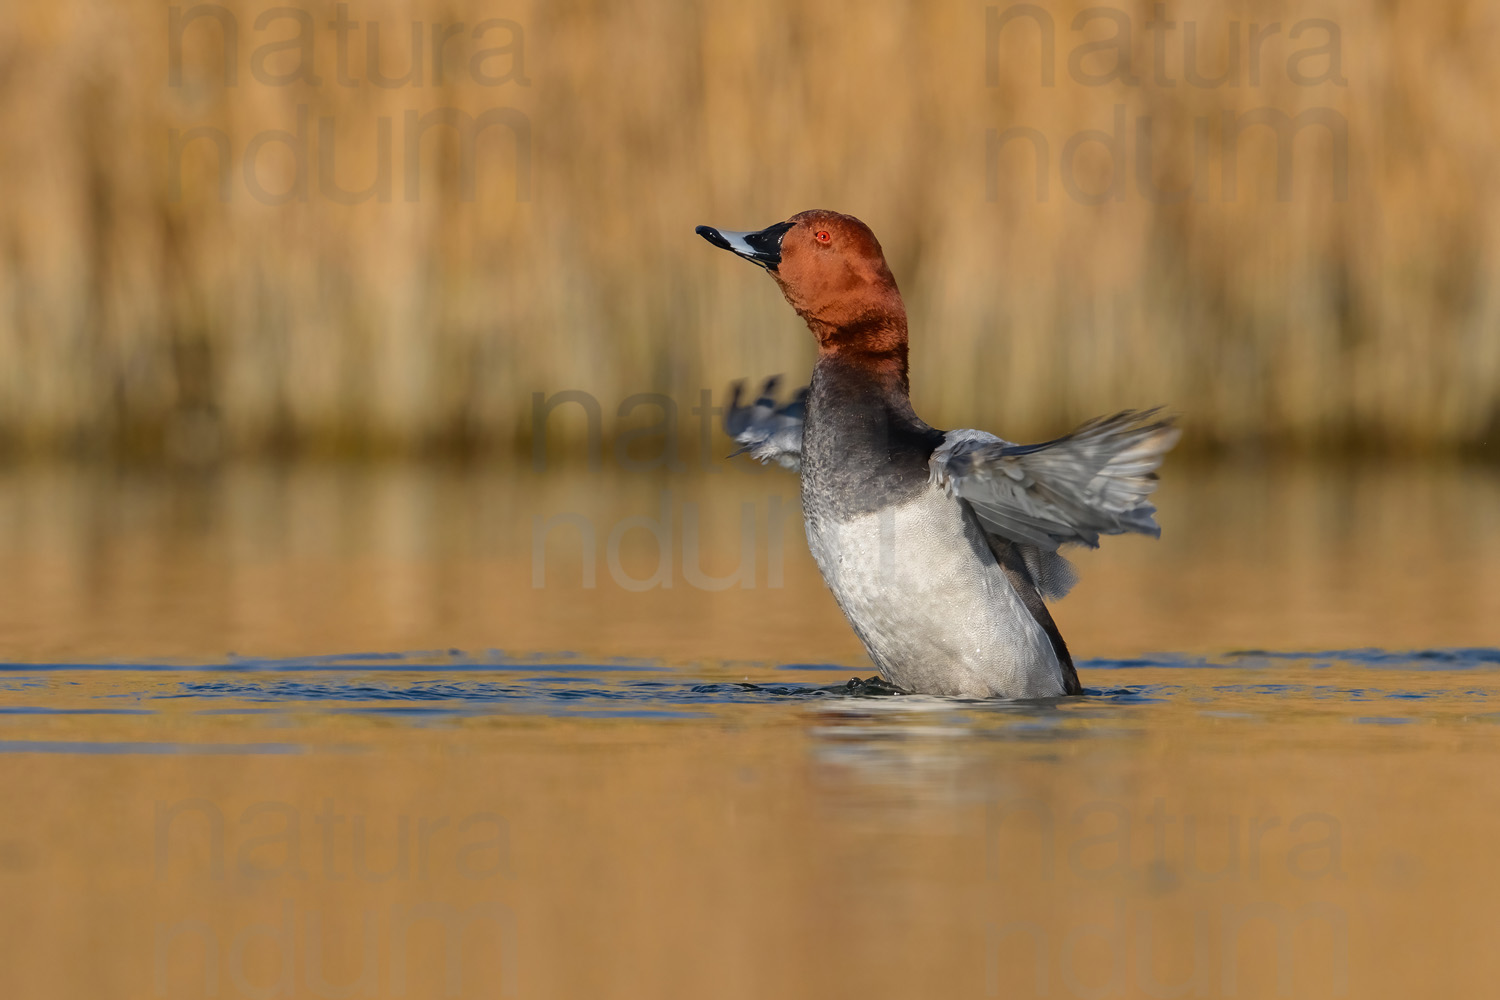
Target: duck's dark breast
x,y
863,448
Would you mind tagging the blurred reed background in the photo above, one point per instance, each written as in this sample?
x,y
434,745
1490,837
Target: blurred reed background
x,y
143,310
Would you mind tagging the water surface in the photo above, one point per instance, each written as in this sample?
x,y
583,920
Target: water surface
x,y
319,733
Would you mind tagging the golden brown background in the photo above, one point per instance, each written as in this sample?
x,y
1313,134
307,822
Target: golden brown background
x,y
146,315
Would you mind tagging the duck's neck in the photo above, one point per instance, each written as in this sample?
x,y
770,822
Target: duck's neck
x,y
875,347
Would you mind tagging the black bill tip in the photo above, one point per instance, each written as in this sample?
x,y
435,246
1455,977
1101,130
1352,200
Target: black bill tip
x,y
713,236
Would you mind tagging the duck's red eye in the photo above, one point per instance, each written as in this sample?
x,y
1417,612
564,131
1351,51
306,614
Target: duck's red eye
x,y
823,236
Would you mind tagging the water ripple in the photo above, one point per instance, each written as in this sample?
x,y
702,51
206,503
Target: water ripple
x,y
435,685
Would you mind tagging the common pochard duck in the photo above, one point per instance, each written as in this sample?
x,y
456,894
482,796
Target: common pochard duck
x,y
941,548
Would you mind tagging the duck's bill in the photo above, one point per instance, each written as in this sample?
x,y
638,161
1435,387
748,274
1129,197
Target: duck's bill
x,y
762,246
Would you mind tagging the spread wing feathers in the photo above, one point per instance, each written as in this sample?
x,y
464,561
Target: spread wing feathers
x,y
765,431
1092,482
1053,574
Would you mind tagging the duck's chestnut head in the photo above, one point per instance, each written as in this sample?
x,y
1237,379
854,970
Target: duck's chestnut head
x,y
831,269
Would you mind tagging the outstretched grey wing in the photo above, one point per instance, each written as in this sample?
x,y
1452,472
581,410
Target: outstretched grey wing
x,y
1092,482
764,430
